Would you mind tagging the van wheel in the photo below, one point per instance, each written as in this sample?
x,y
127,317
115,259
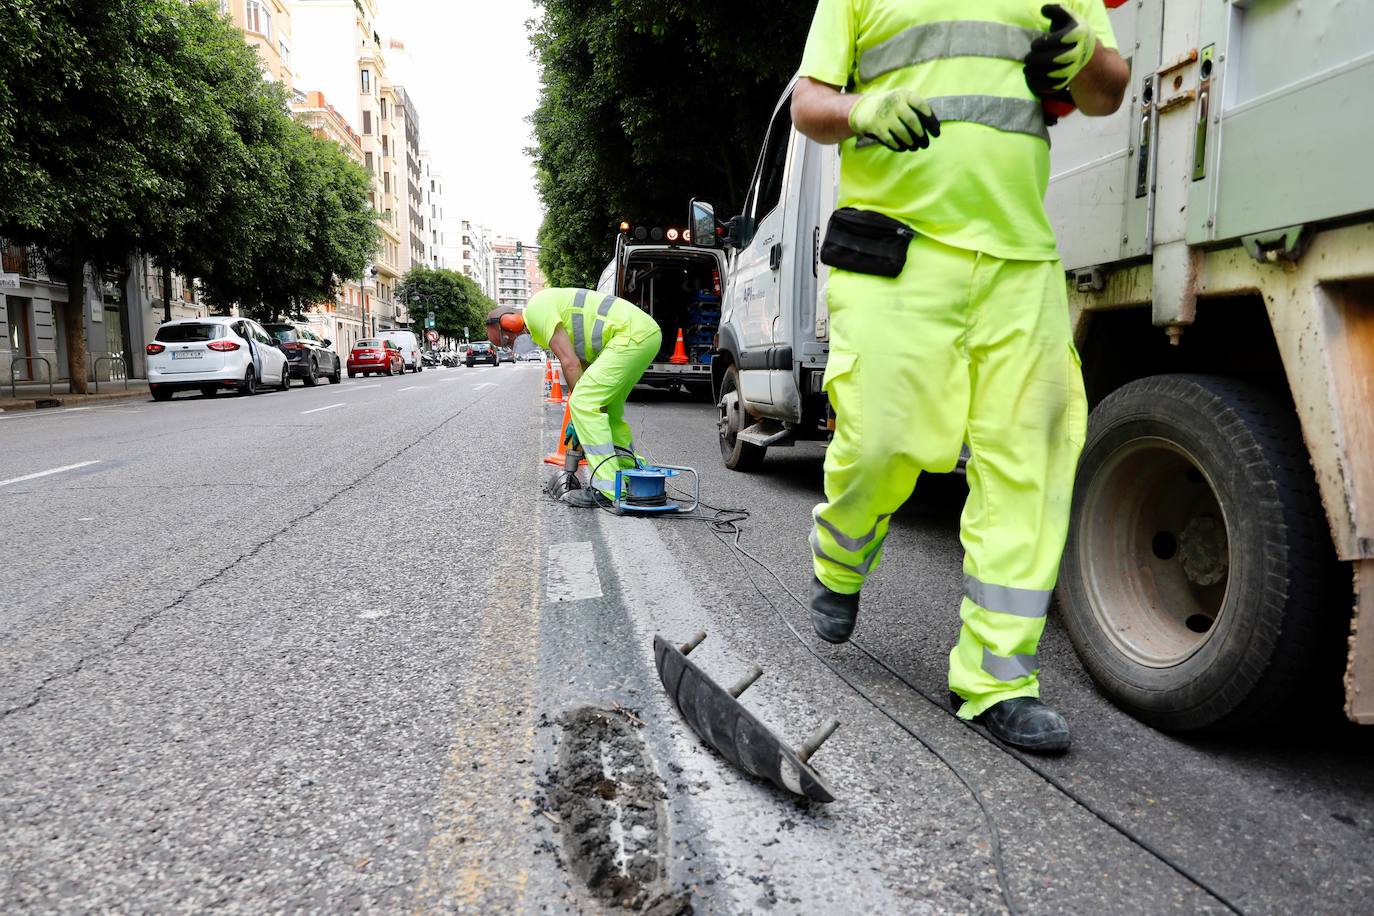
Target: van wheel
x,y
731,418
1195,580
160,393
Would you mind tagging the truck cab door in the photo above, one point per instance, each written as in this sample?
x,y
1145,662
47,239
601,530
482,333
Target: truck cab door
x,y
756,289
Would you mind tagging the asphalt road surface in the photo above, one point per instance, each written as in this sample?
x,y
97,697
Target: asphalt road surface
x,y
330,650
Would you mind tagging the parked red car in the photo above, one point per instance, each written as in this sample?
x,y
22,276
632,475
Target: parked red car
x,y
372,355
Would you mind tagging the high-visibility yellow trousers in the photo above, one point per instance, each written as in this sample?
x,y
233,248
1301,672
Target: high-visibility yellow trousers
x,y
597,404
960,348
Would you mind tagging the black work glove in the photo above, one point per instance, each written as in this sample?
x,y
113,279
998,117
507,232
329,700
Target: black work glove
x,y
1059,55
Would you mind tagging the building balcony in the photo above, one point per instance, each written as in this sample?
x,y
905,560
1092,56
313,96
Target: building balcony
x,y
23,260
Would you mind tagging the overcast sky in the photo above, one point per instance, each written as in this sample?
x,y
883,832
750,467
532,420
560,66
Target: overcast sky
x,y
472,79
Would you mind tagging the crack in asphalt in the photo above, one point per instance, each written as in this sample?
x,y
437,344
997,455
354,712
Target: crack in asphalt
x,y
148,619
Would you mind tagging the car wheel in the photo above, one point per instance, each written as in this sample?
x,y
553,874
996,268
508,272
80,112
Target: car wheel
x,y
352,374
312,378
730,420
285,383
160,392
208,391
1196,581
250,383
337,376
389,370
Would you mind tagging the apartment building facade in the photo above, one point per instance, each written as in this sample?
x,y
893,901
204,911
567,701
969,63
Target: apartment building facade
x,y
517,274
338,52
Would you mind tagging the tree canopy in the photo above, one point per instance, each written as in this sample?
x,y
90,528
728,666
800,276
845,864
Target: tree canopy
x,y
456,301
645,105
145,126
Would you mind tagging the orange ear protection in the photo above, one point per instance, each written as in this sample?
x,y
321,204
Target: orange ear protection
x,y
513,322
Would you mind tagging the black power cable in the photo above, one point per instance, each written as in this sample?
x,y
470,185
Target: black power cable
x,y
1083,803
725,526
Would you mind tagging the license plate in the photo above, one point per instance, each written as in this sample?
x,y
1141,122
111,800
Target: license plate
x,y
187,354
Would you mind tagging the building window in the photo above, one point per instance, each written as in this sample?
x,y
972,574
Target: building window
x,y
367,122
367,82
386,182
257,18
382,102
367,158
285,55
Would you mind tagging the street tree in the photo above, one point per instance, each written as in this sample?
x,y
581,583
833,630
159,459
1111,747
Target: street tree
x,y
455,299
645,105
144,126
313,230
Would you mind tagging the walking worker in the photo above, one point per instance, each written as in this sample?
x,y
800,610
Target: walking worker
x,y
948,310
604,345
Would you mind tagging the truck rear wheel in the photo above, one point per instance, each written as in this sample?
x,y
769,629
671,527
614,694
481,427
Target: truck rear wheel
x,y
737,454
1195,579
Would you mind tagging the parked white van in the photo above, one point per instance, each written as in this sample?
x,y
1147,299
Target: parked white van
x,y
408,344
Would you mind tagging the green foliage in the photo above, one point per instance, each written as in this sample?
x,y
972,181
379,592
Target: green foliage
x,y
645,105
456,301
132,126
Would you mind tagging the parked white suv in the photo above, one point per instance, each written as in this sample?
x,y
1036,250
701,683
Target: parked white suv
x,y
208,354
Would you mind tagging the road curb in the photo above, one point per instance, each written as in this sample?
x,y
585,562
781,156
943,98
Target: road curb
x,y
20,405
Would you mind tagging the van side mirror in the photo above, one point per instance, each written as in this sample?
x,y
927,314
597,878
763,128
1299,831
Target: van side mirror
x,y
702,219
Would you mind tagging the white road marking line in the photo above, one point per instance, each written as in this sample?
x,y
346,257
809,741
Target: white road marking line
x,y
68,467
410,388
349,388
326,407
484,385
572,572
72,409
450,379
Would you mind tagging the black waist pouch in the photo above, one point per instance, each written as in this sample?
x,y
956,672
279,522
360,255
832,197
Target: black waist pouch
x,y
866,242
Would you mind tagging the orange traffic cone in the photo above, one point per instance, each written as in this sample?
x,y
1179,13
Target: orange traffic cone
x,y
559,457
553,391
679,357
556,395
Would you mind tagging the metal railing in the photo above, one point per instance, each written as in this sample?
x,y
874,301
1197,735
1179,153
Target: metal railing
x,y
123,366
14,389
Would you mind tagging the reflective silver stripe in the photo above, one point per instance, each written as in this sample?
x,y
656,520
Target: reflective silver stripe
x,y
578,335
862,569
578,321
1009,668
939,40
1019,602
599,329
598,449
1014,116
853,545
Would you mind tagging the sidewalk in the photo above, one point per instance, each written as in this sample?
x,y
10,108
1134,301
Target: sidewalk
x,y
34,396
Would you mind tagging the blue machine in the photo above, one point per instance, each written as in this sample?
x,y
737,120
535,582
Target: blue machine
x,y
644,490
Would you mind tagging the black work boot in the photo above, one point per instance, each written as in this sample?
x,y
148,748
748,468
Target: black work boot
x,y
586,498
832,614
1027,723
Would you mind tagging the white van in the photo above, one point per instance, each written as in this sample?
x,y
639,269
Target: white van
x,y
408,344
774,335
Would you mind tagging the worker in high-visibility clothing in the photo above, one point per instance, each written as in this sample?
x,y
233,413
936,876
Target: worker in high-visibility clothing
x,y
603,344
948,314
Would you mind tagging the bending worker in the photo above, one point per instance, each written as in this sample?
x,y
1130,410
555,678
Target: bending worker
x,y
948,310
604,344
